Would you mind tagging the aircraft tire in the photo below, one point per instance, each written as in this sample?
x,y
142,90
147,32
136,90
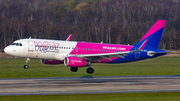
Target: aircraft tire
x,y
90,70
74,69
26,66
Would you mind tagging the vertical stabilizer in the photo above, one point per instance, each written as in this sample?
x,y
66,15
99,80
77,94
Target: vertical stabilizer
x,y
153,36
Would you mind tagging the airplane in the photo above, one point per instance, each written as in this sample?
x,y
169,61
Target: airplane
x,y
80,54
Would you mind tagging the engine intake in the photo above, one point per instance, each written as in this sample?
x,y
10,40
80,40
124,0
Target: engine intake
x,y
51,62
75,62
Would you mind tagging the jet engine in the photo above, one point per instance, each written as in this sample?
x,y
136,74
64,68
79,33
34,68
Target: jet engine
x,y
51,62
75,62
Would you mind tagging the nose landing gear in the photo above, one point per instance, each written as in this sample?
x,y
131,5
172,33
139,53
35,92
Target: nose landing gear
x,y
26,66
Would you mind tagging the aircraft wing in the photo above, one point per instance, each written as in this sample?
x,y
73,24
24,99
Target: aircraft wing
x,y
96,57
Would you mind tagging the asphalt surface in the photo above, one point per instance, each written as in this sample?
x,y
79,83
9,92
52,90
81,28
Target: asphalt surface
x,y
89,85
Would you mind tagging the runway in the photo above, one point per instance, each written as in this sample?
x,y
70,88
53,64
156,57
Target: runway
x,y
89,85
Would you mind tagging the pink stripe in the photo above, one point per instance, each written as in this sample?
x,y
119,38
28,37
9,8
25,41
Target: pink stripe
x,y
96,48
157,26
143,45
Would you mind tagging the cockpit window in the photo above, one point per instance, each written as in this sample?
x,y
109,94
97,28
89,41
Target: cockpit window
x,y
13,44
17,44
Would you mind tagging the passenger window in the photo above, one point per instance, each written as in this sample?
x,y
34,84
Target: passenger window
x,y
20,44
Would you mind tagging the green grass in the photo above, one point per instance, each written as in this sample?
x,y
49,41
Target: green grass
x,y
164,96
13,68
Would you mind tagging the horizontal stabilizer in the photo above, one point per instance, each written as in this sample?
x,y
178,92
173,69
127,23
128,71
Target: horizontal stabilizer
x,y
152,53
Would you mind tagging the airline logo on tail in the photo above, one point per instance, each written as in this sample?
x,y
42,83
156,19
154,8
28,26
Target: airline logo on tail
x,y
153,35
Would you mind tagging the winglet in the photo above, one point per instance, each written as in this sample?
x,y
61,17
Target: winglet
x,y
69,38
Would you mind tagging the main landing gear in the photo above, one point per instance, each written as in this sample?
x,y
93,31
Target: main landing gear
x,y
88,70
74,69
26,66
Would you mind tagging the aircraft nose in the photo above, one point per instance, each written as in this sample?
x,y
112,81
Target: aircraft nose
x,y
7,50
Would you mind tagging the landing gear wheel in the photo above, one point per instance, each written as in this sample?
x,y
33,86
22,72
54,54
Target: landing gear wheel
x,y
25,66
90,70
74,69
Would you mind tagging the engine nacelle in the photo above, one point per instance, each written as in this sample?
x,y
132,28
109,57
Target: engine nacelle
x,y
51,62
75,62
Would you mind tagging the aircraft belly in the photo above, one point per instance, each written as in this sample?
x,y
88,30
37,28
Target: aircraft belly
x,y
40,55
60,56
31,54
46,55
131,57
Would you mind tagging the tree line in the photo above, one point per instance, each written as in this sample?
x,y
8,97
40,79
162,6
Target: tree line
x,y
110,21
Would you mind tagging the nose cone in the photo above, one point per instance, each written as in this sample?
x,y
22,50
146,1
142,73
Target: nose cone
x,y
7,50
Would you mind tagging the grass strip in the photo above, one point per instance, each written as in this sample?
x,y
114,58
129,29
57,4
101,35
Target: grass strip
x,y
13,68
161,96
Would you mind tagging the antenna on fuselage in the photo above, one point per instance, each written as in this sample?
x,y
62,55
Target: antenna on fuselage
x,y
101,42
30,37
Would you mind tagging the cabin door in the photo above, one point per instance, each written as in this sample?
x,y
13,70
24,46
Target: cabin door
x,y
30,46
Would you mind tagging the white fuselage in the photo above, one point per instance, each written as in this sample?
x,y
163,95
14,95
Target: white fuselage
x,y
40,48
